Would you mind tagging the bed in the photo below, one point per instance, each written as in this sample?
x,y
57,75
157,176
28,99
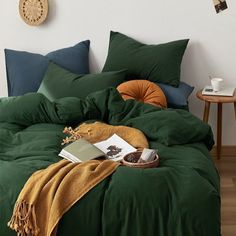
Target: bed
x,y
181,197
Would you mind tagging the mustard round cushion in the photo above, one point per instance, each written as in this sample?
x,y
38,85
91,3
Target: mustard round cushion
x,y
143,91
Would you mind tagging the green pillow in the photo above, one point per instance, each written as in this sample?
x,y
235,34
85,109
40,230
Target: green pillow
x,y
157,63
59,82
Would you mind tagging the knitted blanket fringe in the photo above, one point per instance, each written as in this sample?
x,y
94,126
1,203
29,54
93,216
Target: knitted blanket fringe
x,y
23,220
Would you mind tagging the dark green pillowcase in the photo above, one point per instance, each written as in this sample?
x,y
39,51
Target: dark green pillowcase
x,y
157,63
59,82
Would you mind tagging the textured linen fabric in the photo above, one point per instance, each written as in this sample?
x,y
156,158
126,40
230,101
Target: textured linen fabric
x,y
180,197
25,70
177,96
157,63
59,82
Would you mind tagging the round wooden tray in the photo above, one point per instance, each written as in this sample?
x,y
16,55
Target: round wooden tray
x,y
135,156
33,12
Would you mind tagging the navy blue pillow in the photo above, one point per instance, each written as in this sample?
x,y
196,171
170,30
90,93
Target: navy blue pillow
x,y
25,70
177,96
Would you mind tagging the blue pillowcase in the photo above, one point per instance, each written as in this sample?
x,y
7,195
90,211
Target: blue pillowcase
x,y
177,96
25,70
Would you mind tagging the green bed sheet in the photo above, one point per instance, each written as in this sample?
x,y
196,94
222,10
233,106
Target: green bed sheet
x,y
179,198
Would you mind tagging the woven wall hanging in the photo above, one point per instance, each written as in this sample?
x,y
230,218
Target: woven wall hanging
x,y
33,12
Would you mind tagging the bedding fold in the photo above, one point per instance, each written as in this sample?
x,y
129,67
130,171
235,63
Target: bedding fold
x,y
167,126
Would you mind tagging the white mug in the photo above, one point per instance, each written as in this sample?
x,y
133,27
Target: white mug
x,y
217,84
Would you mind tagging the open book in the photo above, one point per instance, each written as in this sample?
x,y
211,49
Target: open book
x,y
113,148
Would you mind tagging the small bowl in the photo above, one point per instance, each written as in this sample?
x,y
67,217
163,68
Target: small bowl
x,y
135,157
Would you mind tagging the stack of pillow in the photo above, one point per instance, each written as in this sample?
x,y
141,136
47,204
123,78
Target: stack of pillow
x,y
65,72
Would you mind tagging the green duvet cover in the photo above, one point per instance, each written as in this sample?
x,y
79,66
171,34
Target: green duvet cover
x,y
179,198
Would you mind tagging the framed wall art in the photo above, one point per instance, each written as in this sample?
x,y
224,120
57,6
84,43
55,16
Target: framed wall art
x,y
220,5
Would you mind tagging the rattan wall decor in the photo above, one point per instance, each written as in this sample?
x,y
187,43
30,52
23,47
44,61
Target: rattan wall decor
x,y
33,12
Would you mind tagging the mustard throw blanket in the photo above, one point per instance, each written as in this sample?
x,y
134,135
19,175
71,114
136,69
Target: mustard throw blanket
x,y
49,193
98,131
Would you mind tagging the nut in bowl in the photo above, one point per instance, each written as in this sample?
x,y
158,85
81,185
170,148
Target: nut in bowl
x,y
132,158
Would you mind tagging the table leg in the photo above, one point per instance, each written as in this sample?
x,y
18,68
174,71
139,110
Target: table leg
x,y
235,109
206,111
219,130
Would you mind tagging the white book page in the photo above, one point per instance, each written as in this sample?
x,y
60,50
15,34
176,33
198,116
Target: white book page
x,y
115,147
69,156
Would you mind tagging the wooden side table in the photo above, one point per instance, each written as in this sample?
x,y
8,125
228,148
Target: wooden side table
x,y
220,100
